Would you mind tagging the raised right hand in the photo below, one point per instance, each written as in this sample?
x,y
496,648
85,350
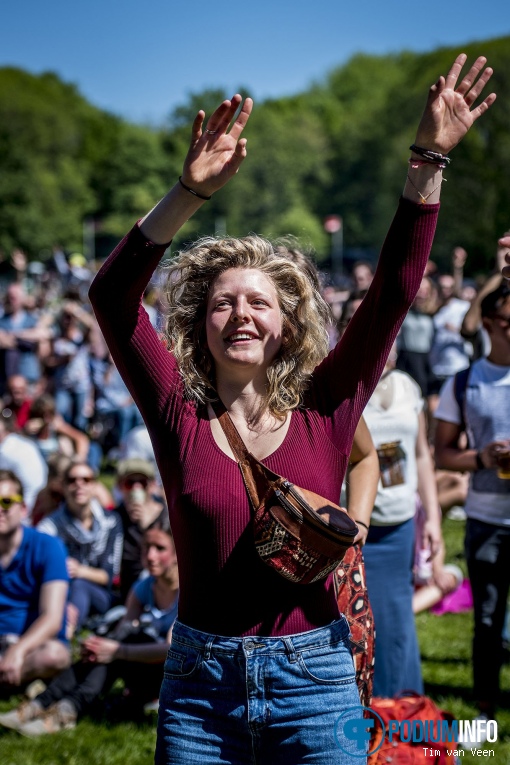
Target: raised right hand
x,y
449,111
214,155
505,242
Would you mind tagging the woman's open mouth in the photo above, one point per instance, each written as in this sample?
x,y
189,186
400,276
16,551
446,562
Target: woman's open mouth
x,y
241,337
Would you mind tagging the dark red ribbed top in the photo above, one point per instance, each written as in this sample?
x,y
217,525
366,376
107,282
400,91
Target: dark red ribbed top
x,y
224,588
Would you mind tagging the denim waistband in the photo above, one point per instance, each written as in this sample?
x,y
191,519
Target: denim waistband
x,y
331,634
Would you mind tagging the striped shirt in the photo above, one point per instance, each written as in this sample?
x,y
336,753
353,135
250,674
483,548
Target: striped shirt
x,y
98,547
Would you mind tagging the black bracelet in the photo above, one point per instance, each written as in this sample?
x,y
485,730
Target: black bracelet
x,y
192,191
432,156
362,523
479,463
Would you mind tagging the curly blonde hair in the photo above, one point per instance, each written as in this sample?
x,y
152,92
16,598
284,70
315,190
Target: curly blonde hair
x,y
305,316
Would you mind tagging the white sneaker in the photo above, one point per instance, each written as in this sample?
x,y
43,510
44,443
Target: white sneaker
x,y
456,571
59,716
478,734
26,712
456,513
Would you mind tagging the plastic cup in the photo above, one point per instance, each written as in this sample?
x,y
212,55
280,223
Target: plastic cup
x,y
503,459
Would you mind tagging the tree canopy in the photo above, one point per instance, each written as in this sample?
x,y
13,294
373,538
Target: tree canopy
x,y
340,147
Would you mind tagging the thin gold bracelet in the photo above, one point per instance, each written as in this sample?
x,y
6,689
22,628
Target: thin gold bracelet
x,y
423,200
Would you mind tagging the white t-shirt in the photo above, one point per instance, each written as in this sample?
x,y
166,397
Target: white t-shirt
x,y
450,353
484,506
20,455
399,422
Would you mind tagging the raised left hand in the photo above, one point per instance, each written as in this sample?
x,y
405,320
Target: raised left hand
x,y
505,242
448,114
214,155
459,257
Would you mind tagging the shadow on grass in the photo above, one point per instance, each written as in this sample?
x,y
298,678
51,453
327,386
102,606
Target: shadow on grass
x,y
436,690
441,661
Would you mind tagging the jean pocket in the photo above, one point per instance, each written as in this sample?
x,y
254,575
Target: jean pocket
x,y
182,661
331,665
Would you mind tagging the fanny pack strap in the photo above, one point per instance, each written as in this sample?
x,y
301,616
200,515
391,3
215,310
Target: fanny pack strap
x,y
235,441
258,479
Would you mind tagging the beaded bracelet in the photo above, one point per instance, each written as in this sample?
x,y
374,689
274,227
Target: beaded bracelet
x,y
421,162
192,191
432,156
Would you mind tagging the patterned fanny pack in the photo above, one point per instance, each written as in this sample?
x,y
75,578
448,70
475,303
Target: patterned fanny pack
x,y
298,533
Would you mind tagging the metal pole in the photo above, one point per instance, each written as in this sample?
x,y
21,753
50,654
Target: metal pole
x,y
89,239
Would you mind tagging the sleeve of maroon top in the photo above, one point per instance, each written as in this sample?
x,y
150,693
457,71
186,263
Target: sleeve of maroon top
x,y
147,367
343,383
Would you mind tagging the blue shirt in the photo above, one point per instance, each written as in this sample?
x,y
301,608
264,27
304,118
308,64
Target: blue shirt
x,y
39,559
160,620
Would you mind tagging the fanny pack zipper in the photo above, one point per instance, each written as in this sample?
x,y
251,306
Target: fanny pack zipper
x,y
290,507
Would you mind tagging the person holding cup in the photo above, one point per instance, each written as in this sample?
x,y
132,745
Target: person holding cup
x,y
479,407
140,509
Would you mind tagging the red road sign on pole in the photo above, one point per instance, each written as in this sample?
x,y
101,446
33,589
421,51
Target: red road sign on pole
x,y
332,223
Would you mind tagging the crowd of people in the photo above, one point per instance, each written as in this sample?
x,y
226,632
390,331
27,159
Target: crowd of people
x,y
139,386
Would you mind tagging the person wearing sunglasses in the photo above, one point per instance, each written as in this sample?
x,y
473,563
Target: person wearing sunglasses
x,y
141,508
480,409
33,590
93,539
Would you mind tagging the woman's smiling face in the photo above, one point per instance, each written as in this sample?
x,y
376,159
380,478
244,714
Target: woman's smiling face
x,y
244,321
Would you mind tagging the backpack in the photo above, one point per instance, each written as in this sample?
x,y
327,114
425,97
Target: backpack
x,y
409,705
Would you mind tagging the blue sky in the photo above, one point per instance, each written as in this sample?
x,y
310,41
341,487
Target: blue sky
x,y
141,59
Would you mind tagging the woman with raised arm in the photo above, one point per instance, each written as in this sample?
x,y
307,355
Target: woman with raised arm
x,y
260,668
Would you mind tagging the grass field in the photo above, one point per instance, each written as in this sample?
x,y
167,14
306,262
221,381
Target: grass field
x,y
445,647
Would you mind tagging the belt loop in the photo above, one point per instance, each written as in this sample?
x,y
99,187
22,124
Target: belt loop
x,y
208,648
289,648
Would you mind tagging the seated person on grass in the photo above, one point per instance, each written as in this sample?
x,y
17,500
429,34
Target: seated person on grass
x,y
93,538
136,655
51,496
33,590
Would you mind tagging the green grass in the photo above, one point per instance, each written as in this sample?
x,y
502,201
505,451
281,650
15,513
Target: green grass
x,y
445,646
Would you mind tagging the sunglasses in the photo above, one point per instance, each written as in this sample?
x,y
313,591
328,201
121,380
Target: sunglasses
x,y
130,482
83,478
7,502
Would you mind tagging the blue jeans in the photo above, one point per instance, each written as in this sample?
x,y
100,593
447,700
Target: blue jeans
x,y
257,700
88,597
389,557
